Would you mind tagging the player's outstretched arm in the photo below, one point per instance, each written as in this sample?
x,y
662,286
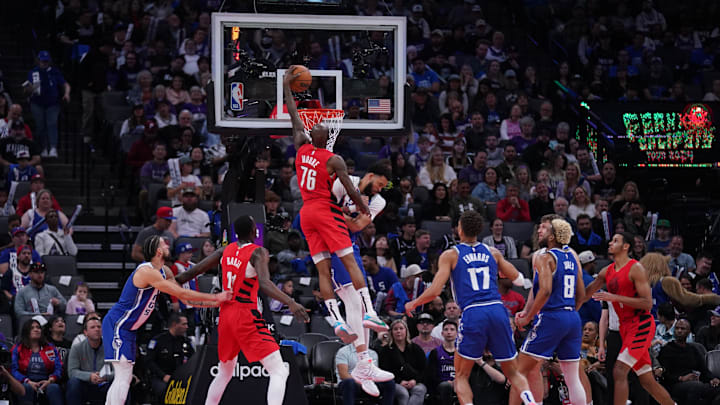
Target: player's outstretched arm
x,y
337,164
591,288
148,276
298,128
201,268
447,261
259,261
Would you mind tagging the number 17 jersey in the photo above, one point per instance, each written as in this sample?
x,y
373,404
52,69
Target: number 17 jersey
x,y
474,278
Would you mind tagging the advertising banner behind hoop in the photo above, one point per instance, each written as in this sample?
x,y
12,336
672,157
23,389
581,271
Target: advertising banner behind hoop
x,y
190,383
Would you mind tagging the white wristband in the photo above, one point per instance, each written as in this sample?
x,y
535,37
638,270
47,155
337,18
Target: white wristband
x,y
519,281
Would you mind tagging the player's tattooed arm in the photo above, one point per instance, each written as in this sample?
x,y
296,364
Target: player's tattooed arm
x,y
201,268
337,165
299,137
259,260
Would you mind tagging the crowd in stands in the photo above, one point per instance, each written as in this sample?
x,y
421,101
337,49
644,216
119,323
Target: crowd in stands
x,y
491,132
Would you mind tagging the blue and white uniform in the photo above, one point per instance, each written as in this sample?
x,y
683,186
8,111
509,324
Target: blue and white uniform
x,y
557,327
376,204
127,316
485,323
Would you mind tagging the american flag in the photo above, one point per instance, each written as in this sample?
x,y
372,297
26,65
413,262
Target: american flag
x,y
378,106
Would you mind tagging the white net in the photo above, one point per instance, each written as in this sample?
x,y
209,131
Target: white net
x,y
331,118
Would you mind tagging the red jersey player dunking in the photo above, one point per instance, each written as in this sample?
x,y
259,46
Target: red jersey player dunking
x,y
321,217
241,327
630,294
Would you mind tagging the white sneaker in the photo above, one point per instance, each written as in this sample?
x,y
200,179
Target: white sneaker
x,y
343,331
375,323
53,153
44,153
370,388
367,370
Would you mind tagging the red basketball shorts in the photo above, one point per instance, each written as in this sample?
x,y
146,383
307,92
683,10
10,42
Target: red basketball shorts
x,y
242,328
636,339
324,228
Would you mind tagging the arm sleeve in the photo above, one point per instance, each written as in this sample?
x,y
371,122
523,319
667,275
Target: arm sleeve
x,y
524,211
687,299
70,246
503,210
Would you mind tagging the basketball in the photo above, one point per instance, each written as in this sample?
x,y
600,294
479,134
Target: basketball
x,y
302,82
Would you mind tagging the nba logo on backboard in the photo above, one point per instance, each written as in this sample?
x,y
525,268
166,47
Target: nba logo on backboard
x,y
237,91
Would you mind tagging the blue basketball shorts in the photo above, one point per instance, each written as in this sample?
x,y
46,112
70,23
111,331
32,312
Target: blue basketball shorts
x,y
118,341
555,332
486,326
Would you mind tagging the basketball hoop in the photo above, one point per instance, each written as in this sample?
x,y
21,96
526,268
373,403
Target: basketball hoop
x,y
332,118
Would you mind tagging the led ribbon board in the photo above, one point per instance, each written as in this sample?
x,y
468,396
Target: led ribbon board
x,y
663,134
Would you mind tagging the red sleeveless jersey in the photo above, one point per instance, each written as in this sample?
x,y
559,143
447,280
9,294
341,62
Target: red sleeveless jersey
x,y
618,282
234,263
313,178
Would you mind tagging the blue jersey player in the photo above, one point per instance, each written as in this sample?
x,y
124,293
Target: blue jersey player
x,y
135,305
473,269
558,288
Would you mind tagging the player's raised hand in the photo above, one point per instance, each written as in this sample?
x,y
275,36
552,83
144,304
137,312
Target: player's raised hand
x,y
409,308
224,296
289,76
299,311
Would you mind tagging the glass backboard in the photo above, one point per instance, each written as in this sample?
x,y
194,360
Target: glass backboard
x,y
357,63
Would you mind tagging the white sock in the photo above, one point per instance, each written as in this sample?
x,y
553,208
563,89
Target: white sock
x,y
220,382
334,309
527,397
117,393
353,312
590,403
275,366
367,301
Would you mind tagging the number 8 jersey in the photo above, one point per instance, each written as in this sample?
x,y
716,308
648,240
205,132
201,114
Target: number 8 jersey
x,y
313,178
563,280
474,278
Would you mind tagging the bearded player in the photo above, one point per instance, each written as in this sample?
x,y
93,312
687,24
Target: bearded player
x,y
322,219
375,179
241,326
557,328
136,303
629,292
473,270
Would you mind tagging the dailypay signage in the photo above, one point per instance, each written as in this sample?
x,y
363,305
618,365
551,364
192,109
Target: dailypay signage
x,y
189,385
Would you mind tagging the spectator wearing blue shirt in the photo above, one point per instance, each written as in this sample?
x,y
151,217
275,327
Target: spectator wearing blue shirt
x,y
47,85
22,170
424,77
489,190
380,278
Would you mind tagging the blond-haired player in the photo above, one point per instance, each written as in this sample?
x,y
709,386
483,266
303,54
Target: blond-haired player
x,y
556,329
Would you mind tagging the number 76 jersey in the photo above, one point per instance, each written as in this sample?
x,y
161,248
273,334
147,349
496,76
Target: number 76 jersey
x,y
313,178
474,278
